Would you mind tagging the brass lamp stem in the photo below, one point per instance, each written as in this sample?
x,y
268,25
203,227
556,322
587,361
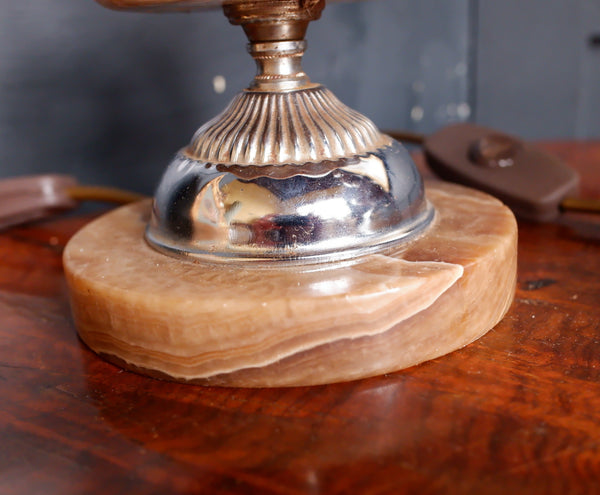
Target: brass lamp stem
x,y
279,65
276,30
274,20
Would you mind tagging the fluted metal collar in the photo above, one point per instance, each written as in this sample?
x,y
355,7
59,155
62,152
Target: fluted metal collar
x,y
296,127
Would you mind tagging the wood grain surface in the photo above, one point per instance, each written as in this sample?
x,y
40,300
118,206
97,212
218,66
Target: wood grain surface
x,y
516,412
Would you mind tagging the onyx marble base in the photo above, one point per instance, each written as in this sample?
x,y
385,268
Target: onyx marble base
x,y
285,326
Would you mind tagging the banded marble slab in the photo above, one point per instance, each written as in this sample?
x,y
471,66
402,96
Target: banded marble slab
x,y
284,326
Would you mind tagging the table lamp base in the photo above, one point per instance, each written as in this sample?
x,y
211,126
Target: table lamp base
x,y
273,325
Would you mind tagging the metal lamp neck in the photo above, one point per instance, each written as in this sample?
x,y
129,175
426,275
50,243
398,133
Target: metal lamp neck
x,y
279,66
276,29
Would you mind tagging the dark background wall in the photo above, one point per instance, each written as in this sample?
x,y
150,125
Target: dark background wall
x,y
109,97
538,67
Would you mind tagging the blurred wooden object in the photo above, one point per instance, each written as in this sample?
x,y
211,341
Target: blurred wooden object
x,y
160,5
517,411
187,5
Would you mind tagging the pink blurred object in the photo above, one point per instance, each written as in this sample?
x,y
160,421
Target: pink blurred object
x,y
28,198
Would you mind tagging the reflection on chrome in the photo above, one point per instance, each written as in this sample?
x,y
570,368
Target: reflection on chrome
x,y
360,205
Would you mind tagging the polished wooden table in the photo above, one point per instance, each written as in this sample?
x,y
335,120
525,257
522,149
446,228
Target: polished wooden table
x,y
516,412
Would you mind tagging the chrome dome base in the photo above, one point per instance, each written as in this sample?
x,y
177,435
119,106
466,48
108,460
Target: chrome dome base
x,y
202,211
